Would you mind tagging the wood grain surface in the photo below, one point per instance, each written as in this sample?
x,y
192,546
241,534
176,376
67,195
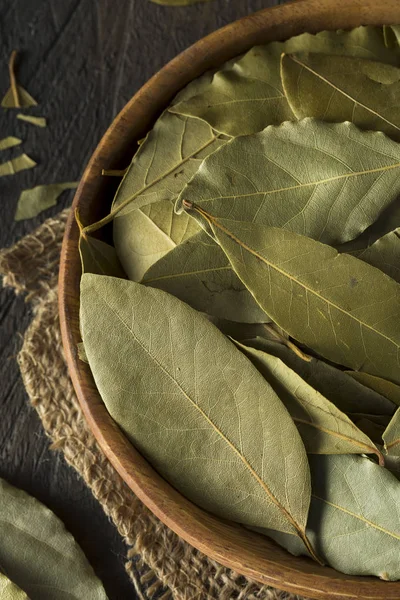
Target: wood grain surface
x,y
82,60
244,551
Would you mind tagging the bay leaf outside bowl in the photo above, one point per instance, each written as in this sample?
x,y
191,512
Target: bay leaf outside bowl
x,y
246,552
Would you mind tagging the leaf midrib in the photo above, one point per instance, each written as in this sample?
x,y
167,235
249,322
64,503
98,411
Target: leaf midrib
x,y
319,76
263,485
359,517
213,221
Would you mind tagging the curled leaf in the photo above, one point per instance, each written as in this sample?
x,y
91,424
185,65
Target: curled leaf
x,y
38,121
9,142
351,310
16,96
206,425
38,554
198,273
324,429
33,201
14,165
323,180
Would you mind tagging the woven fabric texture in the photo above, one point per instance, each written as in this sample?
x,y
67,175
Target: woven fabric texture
x,y
160,564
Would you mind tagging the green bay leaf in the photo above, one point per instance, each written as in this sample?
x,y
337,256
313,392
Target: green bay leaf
x,y
10,591
39,555
343,88
246,95
354,525
339,387
386,388
37,121
199,273
207,426
17,164
324,429
326,181
341,307
25,99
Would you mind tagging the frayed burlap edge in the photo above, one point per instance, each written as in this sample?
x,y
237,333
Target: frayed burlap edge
x,y
160,564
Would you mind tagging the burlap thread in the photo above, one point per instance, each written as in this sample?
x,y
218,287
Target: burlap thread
x,y
159,563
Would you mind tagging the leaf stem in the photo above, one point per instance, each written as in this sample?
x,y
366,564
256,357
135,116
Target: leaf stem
x,y
13,80
117,209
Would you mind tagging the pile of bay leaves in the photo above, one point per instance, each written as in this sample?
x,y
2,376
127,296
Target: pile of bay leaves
x,y
245,331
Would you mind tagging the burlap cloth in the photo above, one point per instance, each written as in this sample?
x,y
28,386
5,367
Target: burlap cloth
x,y
159,563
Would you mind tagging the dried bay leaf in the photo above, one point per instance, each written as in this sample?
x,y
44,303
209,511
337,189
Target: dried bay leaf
x,y
16,96
343,391
326,181
190,416
343,88
354,525
154,231
384,254
99,257
10,591
17,164
199,273
38,121
39,555
164,162
341,307
34,200
391,435
324,429
177,2
9,142
382,386
246,95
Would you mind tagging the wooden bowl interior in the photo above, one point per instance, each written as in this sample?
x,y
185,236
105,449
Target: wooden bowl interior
x,y
248,553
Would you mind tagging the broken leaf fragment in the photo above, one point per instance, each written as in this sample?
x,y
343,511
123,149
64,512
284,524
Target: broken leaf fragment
x,y
9,142
17,164
38,121
33,201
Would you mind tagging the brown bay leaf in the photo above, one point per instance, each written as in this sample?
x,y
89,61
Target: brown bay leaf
x,y
343,88
39,555
386,388
198,273
189,416
280,176
341,307
324,429
34,200
354,525
246,95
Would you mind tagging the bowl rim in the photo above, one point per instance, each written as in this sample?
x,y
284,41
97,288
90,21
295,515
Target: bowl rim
x,y
207,533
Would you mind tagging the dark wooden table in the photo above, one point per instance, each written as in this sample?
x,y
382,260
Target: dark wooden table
x,y
82,60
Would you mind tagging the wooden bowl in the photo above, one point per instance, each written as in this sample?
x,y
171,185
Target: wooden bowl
x,y
246,552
